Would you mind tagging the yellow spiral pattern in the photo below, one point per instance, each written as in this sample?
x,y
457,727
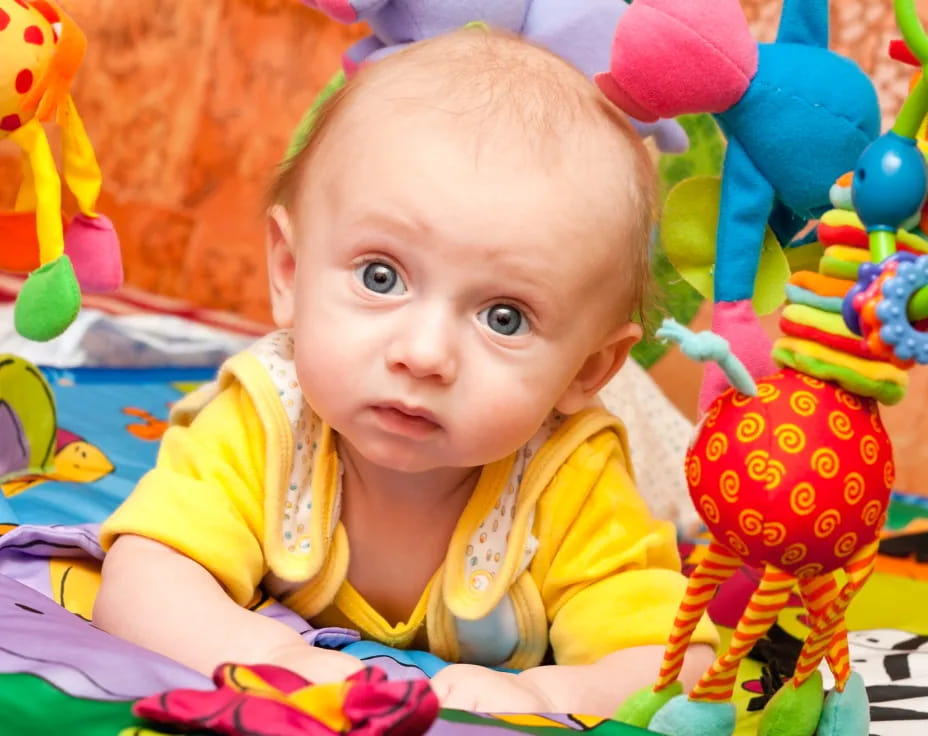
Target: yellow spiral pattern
x,y
846,544
825,462
774,533
869,449
802,499
716,446
854,488
875,421
809,570
730,485
712,416
740,399
736,544
810,381
709,509
756,465
826,523
774,476
693,471
750,427
871,512
889,473
851,401
803,403
840,425
790,438
751,522
794,554
767,393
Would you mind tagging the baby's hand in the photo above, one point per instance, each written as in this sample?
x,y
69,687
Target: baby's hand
x,y
314,663
475,688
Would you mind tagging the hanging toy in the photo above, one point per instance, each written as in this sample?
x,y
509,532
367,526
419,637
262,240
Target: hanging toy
x,y
41,49
795,115
792,472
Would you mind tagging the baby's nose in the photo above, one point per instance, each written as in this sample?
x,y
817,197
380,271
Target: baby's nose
x,y
425,348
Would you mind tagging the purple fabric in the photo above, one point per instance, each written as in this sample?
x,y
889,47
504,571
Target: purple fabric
x,y
14,445
40,637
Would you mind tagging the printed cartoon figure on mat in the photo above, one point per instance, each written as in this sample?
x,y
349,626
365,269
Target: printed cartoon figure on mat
x,y
418,453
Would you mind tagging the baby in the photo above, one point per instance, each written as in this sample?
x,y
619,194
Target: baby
x,y
455,257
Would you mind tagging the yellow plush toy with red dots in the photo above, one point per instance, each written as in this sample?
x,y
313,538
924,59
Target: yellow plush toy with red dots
x,y
41,49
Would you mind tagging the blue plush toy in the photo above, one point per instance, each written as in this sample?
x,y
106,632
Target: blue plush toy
x,y
580,32
796,117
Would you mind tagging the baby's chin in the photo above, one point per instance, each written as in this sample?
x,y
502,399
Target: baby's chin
x,y
396,457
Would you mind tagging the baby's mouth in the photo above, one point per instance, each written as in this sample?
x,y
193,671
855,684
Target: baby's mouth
x,y
402,419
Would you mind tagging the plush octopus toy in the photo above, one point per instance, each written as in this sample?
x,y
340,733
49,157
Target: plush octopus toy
x,y
41,49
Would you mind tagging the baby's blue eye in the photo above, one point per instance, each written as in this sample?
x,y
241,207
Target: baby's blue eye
x,y
504,319
381,278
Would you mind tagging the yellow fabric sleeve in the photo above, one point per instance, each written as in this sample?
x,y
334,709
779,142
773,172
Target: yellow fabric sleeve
x,y
609,574
204,497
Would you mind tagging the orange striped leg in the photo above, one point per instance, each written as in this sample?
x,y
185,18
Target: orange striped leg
x,y
762,610
817,593
830,622
717,566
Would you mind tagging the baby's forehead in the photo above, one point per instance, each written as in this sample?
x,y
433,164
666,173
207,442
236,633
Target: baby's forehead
x,y
485,81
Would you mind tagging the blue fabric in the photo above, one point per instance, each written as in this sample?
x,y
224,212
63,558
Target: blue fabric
x,y
804,121
91,406
684,717
846,713
746,201
805,22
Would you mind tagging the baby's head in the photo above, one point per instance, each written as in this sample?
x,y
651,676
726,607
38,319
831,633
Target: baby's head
x,y
460,247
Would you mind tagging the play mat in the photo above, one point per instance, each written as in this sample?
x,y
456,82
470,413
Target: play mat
x,y
90,445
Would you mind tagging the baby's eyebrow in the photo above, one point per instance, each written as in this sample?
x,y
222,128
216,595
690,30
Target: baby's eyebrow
x,y
399,224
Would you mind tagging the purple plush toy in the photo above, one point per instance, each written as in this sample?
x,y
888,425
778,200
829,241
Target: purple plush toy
x,y
580,32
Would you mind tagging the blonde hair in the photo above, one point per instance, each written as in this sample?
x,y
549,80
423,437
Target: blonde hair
x,y
502,79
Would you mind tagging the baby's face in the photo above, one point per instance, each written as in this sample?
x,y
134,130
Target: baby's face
x,y
446,295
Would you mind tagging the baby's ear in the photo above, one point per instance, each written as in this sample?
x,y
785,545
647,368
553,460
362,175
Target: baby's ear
x,y
281,264
598,369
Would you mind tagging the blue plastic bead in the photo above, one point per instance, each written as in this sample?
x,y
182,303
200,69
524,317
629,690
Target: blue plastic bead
x,y
889,183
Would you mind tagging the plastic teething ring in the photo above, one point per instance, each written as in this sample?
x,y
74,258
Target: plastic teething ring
x,y
884,317
867,302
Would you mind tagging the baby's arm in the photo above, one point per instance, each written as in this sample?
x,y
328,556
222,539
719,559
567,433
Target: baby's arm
x,y
164,601
592,689
601,687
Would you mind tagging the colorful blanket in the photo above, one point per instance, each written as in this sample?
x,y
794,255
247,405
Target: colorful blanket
x,y
59,674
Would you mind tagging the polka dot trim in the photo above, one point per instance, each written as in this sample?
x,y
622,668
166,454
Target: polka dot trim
x,y
275,352
4,19
486,550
